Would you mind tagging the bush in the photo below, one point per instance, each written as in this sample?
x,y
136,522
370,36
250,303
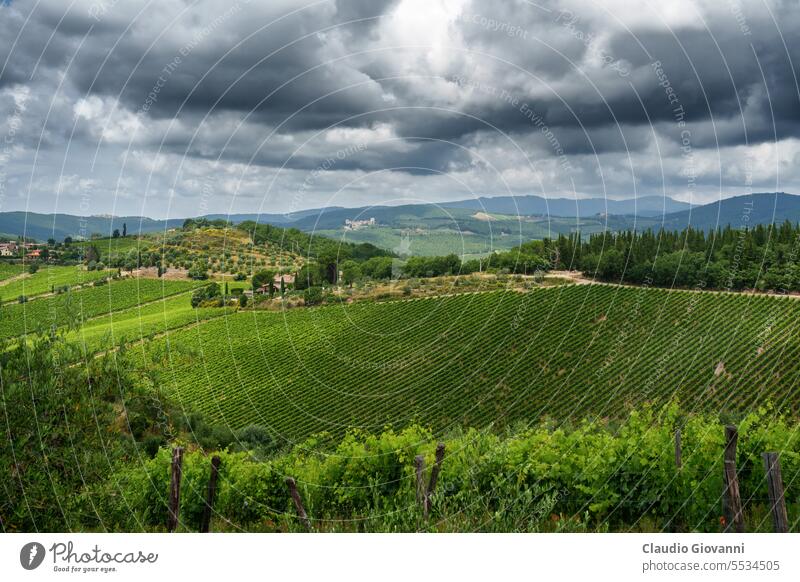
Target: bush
x,y
204,295
313,296
198,272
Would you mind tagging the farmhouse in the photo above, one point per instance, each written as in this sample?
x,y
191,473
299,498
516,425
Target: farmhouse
x,y
276,283
8,249
356,224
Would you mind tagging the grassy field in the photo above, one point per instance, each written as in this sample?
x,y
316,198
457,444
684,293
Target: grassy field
x,y
47,278
490,358
8,270
429,243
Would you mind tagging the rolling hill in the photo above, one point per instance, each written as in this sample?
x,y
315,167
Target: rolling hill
x,y
44,226
474,226
739,211
488,358
645,206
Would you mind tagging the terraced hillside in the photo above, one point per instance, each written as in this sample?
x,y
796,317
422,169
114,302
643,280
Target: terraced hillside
x,y
489,358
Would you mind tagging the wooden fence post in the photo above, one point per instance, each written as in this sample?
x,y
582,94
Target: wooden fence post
x,y
212,491
298,503
175,489
734,519
678,461
434,477
419,471
772,465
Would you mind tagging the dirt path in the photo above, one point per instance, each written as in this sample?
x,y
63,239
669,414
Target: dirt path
x,y
13,279
578,278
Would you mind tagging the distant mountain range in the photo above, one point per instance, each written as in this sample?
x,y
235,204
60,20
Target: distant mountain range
x,y
536,205
739,211
474,215
44,226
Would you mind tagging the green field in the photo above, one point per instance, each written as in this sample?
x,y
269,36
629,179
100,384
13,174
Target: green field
x,y
429,243
141,322
76,307
47,278
8,270
463,234
490,358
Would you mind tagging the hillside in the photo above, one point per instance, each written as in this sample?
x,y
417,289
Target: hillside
x,y
738,212
467,227
489,358
643,206
58,226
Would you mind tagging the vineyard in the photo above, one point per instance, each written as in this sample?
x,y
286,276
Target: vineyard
x,y
141,322
493,358
47,279
75,307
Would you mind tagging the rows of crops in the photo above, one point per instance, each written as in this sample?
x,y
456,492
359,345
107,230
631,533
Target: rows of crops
x,y
490,358
48,278
75,307
141,322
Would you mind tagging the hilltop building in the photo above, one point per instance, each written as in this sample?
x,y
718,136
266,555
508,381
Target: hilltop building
x,y
356,224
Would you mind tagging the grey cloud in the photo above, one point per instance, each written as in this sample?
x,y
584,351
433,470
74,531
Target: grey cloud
x,y
325,71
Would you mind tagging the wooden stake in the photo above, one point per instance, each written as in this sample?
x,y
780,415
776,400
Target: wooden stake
x,y
434,477
175,489
734,517
298,503
212,491
419,470
772,465
678,461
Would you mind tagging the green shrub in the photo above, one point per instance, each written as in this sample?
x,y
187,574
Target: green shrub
x,y
313,296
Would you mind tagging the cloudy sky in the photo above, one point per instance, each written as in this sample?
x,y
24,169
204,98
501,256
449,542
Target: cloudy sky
x,y
180,107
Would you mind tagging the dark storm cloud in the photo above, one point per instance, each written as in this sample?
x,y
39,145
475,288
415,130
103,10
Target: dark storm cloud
x,y
224,66
251,82
26,46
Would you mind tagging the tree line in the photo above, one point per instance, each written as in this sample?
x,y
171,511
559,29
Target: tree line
x,y
763,257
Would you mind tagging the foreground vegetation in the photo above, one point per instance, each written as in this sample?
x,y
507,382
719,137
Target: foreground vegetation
x,y
88,447
591,476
